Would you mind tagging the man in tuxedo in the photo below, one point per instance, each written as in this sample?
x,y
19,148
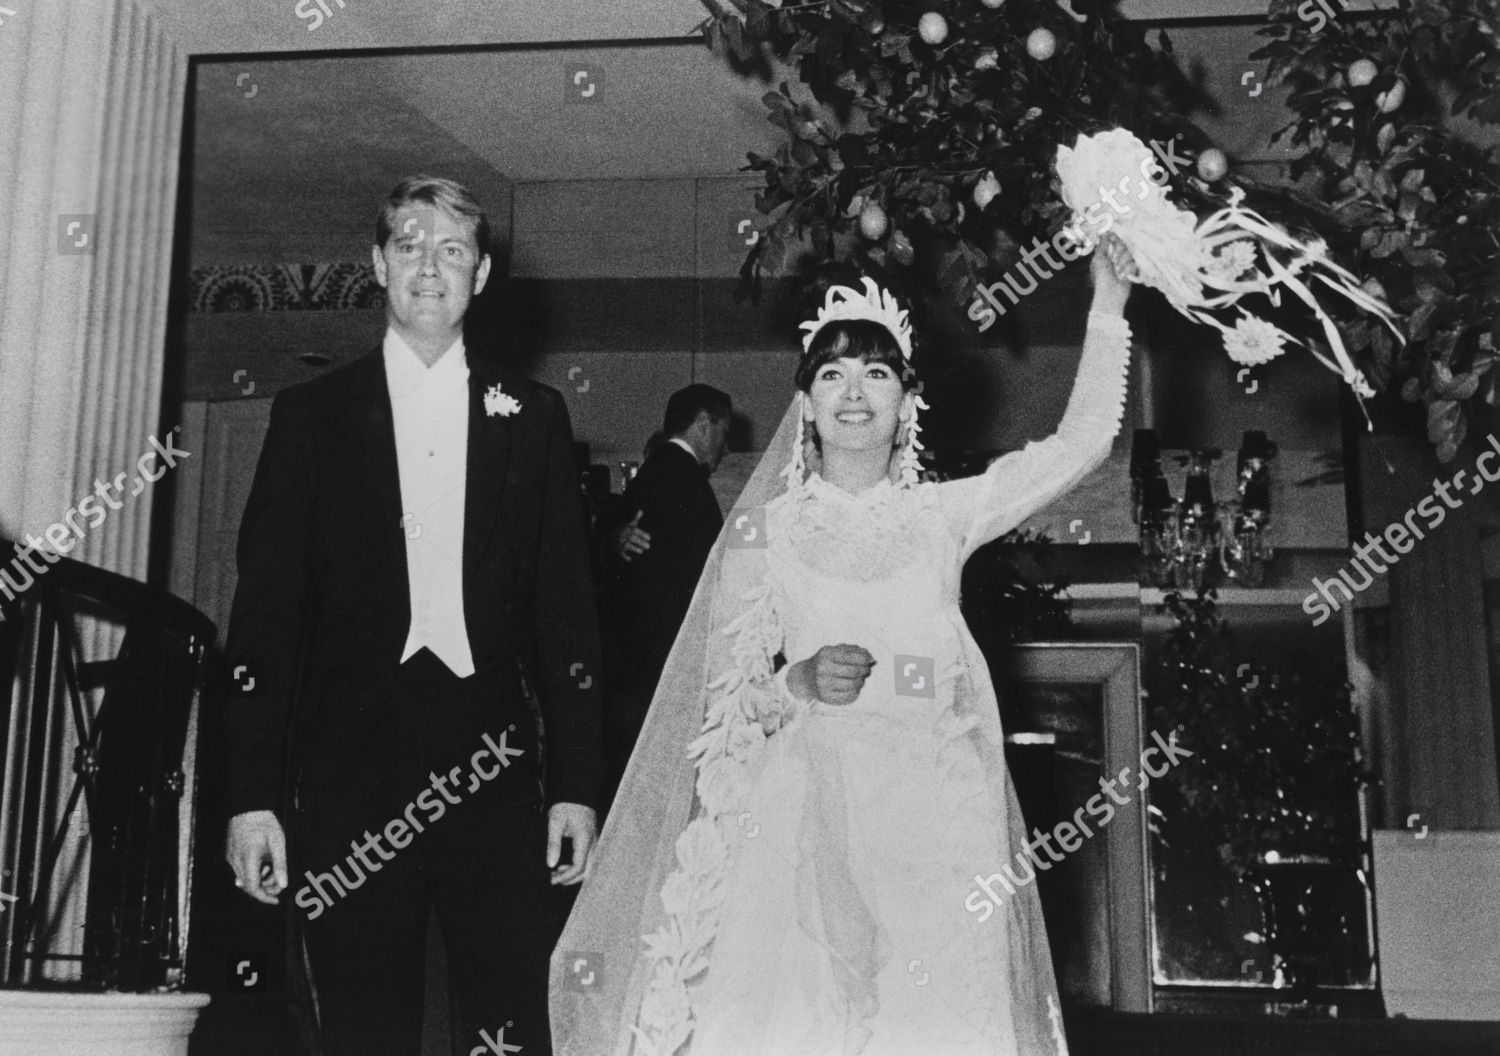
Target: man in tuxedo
x,y
413,569
660,554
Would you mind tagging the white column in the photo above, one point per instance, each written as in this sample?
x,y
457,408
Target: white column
x,y
91,96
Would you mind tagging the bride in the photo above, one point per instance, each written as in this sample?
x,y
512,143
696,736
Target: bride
x,y
821,776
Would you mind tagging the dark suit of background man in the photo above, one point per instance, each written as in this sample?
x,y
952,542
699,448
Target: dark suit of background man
x,y
412,549
660,554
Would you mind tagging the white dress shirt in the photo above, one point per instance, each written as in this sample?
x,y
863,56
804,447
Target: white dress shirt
x,y
430,406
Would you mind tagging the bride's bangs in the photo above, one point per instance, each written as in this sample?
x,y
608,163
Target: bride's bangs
x,y
860,339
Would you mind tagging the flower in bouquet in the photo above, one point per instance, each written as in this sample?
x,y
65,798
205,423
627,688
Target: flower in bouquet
x,y
1204,267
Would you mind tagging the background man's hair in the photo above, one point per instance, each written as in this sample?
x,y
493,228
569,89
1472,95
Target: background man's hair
x,y
449,195
684,406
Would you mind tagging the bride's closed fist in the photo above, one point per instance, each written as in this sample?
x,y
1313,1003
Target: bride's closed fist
x,y
834,674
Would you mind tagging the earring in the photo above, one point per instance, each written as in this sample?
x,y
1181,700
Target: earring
x,y
910,464
796,470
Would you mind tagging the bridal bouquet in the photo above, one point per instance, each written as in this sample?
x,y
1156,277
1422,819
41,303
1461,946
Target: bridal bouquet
x,y
1204,267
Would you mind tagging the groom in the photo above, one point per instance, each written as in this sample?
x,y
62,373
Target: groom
x,y
412,567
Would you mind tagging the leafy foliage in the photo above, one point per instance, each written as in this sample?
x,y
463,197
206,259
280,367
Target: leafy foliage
x,y
906,130
894,146
1394,169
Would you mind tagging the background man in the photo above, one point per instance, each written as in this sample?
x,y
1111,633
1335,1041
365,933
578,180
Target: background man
x,y
659,556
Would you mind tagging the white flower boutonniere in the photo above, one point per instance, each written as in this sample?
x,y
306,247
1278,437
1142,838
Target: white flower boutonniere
x,y
501,403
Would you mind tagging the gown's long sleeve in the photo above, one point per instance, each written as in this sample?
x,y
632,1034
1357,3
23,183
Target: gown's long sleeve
x,y
1015,486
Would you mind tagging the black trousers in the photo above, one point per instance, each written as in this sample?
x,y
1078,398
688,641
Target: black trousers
x,y
421,814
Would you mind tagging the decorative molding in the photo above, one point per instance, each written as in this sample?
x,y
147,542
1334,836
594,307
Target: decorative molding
x,y
284,287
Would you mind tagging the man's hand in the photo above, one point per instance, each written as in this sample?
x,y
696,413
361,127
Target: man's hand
x,y
632,540
255,848
834,674
580,825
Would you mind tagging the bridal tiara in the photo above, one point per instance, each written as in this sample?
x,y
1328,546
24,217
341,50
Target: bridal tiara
x,y
844,303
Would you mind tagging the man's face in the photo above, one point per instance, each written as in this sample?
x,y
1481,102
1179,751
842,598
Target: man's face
x,y
431,267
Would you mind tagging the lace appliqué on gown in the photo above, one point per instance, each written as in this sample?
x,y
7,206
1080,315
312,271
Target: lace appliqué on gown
x,y
860,538
732,739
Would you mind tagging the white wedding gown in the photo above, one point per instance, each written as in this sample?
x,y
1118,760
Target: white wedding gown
x,y
820,904
860,828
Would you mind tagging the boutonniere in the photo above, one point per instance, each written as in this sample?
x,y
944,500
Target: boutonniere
x,y
501,403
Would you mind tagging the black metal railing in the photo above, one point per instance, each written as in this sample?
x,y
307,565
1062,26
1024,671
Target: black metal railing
x,y
99,675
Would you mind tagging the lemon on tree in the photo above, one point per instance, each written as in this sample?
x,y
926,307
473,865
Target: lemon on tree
x,y
1041,44
933,28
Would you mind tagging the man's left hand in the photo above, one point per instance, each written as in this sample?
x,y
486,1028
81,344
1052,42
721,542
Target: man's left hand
x,y
579,824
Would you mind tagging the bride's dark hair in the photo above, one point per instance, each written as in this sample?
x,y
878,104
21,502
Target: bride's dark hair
x,y
862,339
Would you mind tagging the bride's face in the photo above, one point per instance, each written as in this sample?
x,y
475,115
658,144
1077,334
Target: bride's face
x,y
857,406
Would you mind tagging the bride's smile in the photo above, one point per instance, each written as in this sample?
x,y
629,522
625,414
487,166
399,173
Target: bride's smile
x,y
856,405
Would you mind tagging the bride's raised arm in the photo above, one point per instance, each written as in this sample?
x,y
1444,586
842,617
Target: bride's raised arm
x,y
1017,485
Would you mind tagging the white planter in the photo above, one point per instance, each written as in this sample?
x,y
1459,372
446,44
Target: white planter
x,y
43,1023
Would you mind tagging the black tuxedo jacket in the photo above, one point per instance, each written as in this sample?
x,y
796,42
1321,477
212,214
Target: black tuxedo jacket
x,y
322,610
678,507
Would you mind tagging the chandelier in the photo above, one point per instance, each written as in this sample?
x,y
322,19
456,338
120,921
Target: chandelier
x,y
1184,542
